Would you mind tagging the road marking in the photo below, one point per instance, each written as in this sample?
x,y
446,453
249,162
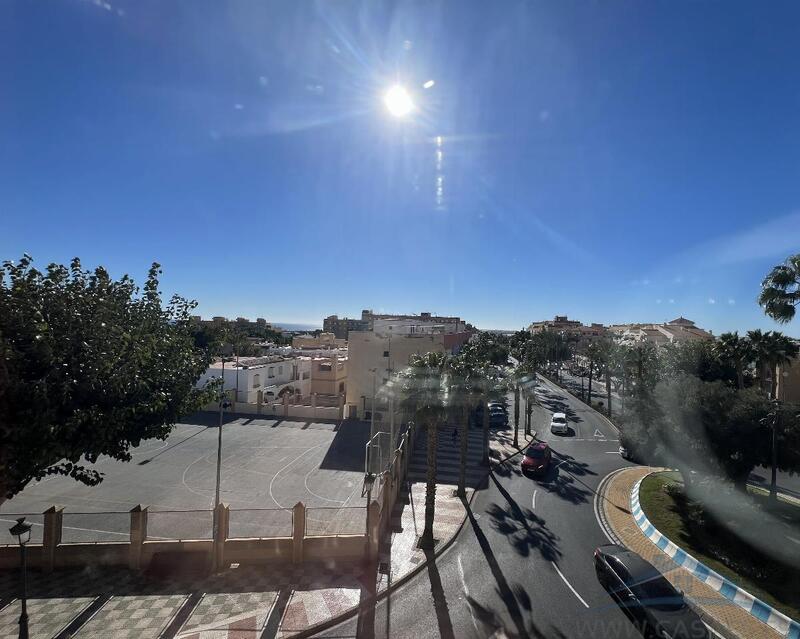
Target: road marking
x,y
611,452
597,433
466,593
563,461
569,585
596,506
533,501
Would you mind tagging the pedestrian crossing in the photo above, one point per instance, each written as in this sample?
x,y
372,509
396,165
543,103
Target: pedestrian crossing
x,y
448,457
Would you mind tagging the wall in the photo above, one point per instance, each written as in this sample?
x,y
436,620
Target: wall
x,y
366,351
329,382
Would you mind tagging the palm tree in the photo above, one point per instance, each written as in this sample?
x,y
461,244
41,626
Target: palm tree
x,y
464,385
593,353
736,351
780,290
425,392
779,351
607,352
759,342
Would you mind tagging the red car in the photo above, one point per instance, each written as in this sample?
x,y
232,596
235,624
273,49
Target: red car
x,y
537,459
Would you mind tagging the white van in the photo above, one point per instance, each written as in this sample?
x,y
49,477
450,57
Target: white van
x,y
558,425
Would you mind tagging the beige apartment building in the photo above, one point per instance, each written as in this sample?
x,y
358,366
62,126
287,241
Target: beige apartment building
x,y
374,359
329,375
677,331
323,340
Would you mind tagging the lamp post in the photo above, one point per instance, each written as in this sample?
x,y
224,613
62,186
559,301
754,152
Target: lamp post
x,y
22,531
223,404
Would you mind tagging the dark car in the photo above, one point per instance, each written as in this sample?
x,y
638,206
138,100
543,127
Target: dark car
x,y
498,416
654,603
536,460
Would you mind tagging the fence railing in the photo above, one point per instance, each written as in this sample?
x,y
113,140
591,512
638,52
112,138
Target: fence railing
x,y
180,524
260,523
348,520
95,527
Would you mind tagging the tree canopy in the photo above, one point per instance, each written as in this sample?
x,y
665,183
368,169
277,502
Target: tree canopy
x,y
90,366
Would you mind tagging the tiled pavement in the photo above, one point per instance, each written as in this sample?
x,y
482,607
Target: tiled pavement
x,y
245,602
615,500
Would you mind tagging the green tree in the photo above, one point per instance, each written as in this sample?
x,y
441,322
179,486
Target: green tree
x,y
736,352
89,366
780,290
425,394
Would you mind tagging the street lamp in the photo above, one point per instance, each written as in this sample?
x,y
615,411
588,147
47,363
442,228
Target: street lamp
x,y
22,531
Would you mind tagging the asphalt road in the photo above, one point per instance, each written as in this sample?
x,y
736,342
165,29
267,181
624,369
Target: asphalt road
x,y
522,564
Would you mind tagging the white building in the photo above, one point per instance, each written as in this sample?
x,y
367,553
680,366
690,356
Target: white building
x,y
272,375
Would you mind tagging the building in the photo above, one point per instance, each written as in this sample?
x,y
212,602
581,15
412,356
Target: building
x,y
559,324
329,375
677,331
272,375
393,322
323,340
374,358
571,329
789,382
341,326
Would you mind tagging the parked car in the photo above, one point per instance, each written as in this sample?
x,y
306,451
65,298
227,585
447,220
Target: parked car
x,y
497,416
536,460
558,425
646,594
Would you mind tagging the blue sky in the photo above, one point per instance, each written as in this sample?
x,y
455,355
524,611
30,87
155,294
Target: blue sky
x,y
615,161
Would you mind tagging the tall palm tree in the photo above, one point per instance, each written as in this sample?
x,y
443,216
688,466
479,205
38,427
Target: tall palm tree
x,y
607,353
593,354
780,290
779,351
736,351
759,342
464,385
425,392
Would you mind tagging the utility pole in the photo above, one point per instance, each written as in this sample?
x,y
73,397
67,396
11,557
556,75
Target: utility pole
x,y
219,446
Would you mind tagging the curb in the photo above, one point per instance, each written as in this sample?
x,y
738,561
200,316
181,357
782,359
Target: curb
x,y
343,616
774,619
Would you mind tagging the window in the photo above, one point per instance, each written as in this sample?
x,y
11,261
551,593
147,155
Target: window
x,y
271,372
325,368
280,370
256,380
341,387
386,353
306,375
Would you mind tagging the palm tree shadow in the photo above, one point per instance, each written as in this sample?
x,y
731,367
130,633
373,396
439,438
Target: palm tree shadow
x,y
495,627
439,600
525,530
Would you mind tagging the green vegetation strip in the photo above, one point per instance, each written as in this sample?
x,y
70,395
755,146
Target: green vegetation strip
x,y
776,585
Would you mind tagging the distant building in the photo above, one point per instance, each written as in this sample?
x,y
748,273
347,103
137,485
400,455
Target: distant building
x,y
323,340
677,331
571,329
272,375
341,326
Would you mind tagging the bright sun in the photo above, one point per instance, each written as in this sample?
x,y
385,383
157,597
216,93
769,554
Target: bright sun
x,y
398,101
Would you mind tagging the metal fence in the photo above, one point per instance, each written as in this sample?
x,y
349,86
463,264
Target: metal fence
x,y
9,519
180,524
350,520
97,526
260,522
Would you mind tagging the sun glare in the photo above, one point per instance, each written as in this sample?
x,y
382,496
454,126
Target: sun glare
x,y
398,101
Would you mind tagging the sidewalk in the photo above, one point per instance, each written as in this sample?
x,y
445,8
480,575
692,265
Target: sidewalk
x,y
615,501
245,602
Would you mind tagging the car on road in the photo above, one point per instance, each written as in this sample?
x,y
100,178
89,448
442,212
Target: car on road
x,y
653,602
537,459
498,416
558,424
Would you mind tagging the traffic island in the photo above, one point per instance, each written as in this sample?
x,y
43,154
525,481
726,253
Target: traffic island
x,y
721,604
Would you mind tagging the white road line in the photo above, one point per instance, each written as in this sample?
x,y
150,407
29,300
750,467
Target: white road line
x,y
569,585
596,506
611,452
533,501
466,593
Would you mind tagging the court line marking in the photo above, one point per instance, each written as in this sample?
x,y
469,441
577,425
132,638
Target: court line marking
x,y
569,585
275,476
305,483
97,530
